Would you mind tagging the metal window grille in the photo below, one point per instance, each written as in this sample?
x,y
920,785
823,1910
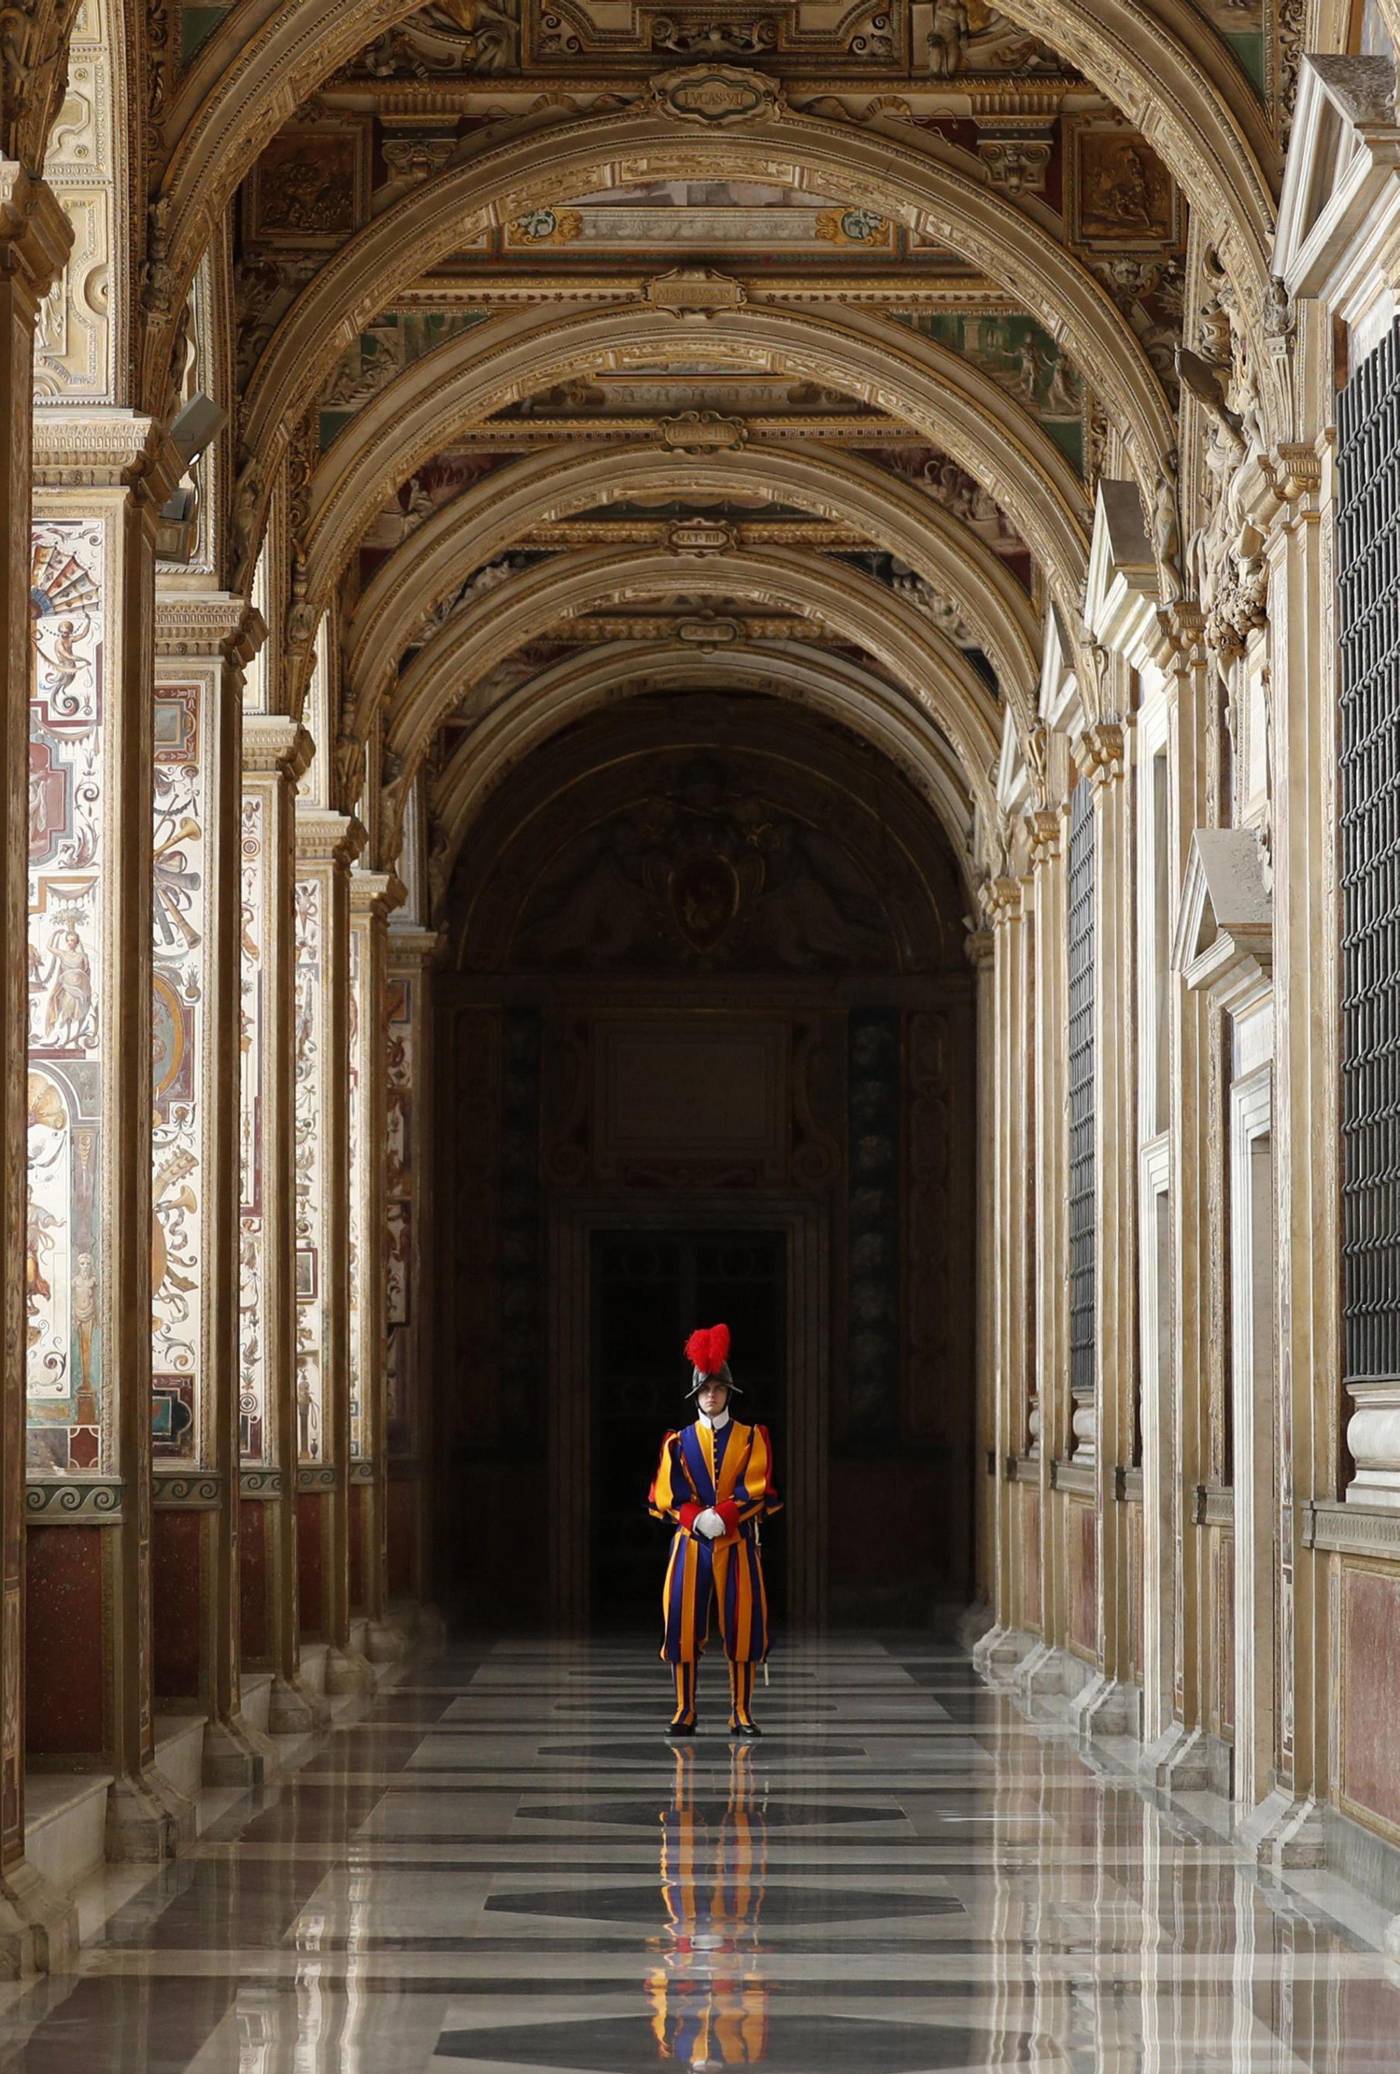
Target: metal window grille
x,y
1368,598
1082,1186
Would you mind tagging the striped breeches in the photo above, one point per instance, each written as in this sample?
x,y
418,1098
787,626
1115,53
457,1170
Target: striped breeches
x,y
705,1579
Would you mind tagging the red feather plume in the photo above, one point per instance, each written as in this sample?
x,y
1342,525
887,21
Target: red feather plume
x,y
708,1348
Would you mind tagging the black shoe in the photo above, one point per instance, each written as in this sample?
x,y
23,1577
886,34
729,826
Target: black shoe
x,y
680,1728
745,1728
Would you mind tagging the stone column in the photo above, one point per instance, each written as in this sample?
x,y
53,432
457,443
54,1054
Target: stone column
x,y
203,642
275,753
407,1212
37,1928
373,895
326,846
99,484
1111,1703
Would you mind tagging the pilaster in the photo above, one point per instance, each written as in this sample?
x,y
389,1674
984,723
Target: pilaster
x,y
1046,1146
1306,1109
204,640
988,1483
373,896
99,484
406,1354
1178,1463
276,751
37,1928
326,845
1111,1704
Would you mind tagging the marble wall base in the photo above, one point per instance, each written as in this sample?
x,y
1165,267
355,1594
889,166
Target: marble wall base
x,y
1284,1834
1000,1650
38,1925
147,1819
1106,1707
1187,1761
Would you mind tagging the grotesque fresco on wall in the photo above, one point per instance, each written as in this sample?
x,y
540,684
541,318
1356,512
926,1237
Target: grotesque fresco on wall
x,y
178,1017
358,1007
65,1248
252,1256
1022,357
403,998
309,981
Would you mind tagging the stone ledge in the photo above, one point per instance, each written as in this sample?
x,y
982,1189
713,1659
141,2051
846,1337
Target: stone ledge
x,y
1340,1529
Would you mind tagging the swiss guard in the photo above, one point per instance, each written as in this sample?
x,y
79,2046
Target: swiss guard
x,y
714,1482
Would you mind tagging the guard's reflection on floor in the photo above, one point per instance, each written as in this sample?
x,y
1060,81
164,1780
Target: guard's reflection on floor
x,y
708,1997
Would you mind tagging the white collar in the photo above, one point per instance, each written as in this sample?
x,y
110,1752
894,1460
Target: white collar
x,y
716,1424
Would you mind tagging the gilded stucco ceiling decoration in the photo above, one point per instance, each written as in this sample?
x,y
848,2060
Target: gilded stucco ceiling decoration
x,y
711,247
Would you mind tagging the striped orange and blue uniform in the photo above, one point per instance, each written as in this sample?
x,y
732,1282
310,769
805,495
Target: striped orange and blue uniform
x,y
731,1473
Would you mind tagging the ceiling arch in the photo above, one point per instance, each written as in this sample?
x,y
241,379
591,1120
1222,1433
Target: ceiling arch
x,y
913,186
1162,65
941,396
568,690
479,525
934,673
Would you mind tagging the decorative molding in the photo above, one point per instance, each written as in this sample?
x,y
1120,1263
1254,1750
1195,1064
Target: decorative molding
x,y
325,837
1361,1530
701,432
1100,753
193,1490
318,1476
1224,942
271,743
1127,1485
56,1502
717,96
362,1470
35,234
76,449
1076,1478
695,293
700,536
375,893
208,624
1214,1506
260,1483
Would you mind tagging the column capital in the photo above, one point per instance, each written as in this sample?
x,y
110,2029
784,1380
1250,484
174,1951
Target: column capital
x,y
1099,753
978,947
1045,829
208,624
325,837
1001,899
375,894
85,449
273,743
35,235
410,946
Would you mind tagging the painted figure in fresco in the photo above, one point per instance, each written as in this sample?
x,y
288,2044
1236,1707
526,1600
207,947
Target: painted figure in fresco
x,y
69,981
714,1481
83,1290
64,661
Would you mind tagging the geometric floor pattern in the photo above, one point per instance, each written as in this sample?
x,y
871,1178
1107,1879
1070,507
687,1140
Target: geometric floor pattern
x,y
503,1868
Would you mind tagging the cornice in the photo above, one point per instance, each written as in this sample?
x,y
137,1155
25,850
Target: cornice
x,y
326,837
410,947
273,743
209,624
1099,752
375,894
118,450
35,235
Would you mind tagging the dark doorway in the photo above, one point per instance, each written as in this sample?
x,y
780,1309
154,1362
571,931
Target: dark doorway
x,y
649,1289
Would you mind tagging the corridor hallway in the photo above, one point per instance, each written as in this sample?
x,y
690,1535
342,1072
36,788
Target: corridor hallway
x,y
502,1866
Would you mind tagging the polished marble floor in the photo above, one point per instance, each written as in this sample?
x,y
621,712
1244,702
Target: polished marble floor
x,y
503,1868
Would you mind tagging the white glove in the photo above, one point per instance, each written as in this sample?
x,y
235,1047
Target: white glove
x,y
709,1524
